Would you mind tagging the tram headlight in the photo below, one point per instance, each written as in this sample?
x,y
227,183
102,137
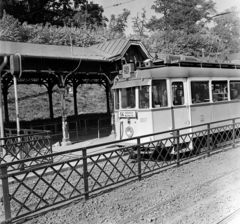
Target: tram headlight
x,y
129,131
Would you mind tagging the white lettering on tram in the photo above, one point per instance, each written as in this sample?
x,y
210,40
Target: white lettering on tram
x,y
127,114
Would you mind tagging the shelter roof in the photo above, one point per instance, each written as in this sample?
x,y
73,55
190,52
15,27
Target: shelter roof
x,y
108,51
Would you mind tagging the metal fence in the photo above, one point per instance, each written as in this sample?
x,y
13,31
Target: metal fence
x,y
92,126
29,144
82,172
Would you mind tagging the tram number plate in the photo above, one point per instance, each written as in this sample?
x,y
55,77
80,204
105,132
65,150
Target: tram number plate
x,y
127,113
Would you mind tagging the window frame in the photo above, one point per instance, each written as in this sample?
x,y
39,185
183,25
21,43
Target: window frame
x,y
191,90
167,93
218,94
121,98
173,96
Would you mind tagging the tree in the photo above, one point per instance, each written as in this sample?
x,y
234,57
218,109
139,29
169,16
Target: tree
x,y
12,30
56,12
139,24
227,30
180,14
118,24
90,15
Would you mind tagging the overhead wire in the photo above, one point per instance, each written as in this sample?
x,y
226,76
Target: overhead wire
x,y
121,3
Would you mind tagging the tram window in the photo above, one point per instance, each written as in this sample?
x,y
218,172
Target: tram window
x,y
200,91
117,99
128,97
144,97
235,90
219,91
159,93
178,93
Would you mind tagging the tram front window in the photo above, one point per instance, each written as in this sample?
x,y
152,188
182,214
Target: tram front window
x,y
200,91
128,98
219,91
159,93
143,97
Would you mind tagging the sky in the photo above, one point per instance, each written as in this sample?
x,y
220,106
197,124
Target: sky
x,y
135,6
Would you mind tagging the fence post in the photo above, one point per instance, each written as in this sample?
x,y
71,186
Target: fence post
x,y
208,140
5,189
139,159
234,133
178,154
85,174
98,128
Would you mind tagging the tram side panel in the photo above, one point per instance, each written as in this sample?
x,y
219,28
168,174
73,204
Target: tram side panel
x,y
234,109
221,111
206,113
162,121
200,114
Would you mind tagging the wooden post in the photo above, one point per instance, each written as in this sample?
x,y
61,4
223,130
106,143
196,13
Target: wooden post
x,y
75,99
107,98
50,101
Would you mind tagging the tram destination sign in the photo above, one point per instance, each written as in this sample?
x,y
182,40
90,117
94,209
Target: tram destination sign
x,y
127,113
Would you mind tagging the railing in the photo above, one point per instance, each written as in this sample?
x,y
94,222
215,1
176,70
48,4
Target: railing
x,y
94,126
81,172
29,144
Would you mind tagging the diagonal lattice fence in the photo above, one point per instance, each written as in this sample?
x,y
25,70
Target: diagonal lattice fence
x,y
15,148
36,188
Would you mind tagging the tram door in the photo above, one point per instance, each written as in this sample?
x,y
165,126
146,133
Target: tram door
x,y
126,117
180,110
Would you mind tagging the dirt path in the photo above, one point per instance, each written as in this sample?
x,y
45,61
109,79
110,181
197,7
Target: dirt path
x,y
203,191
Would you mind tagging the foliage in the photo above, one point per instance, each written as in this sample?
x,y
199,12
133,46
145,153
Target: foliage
x,y
90,15
180,15
228,32
139,24
61,12
118,24
12,30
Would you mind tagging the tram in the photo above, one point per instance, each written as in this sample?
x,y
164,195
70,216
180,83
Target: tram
x,y
179,93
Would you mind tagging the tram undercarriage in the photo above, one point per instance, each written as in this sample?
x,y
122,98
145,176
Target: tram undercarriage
x,y
197,146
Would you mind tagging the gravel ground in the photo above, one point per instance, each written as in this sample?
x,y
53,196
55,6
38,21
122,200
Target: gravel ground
x,y
203,191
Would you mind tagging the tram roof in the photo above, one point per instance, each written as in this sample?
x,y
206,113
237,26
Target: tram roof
x,y
188,72
144,77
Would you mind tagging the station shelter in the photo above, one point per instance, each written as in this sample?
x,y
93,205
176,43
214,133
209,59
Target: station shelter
x,y
65,66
